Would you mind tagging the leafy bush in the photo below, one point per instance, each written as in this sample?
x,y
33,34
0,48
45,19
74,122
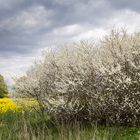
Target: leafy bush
x,y
85,81
3,87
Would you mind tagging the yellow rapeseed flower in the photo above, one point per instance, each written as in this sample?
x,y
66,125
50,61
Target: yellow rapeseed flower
x,y
7,104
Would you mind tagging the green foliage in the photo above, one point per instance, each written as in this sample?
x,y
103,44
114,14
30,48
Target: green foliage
x,y
3,87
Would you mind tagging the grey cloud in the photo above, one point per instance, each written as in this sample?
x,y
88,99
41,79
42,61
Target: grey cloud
x,y
25,23
133,5
18,32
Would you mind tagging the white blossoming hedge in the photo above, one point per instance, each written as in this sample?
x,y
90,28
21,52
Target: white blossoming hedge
x,y
90,82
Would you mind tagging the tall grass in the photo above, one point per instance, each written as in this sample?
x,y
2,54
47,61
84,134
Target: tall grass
x,y
30,126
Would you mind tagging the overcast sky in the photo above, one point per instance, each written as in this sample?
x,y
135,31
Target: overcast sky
x,y
29,26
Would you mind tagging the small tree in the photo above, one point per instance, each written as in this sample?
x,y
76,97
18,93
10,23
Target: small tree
x,y
3,87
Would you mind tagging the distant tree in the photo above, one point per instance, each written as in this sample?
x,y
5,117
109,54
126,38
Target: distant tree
x,y
3,87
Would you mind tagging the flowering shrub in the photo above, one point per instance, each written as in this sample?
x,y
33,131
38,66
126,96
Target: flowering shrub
x,y
91,82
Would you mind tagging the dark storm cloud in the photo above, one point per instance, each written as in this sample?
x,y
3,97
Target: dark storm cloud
x,y
25,23
133,5
19,36
77,11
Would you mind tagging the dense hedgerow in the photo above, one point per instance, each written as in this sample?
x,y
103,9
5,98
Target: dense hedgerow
x,y
85,81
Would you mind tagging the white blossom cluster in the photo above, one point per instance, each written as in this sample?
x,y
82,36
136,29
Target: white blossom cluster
x,y
87,81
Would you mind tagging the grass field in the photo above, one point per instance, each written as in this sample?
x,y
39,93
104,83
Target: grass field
x,y
26,124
